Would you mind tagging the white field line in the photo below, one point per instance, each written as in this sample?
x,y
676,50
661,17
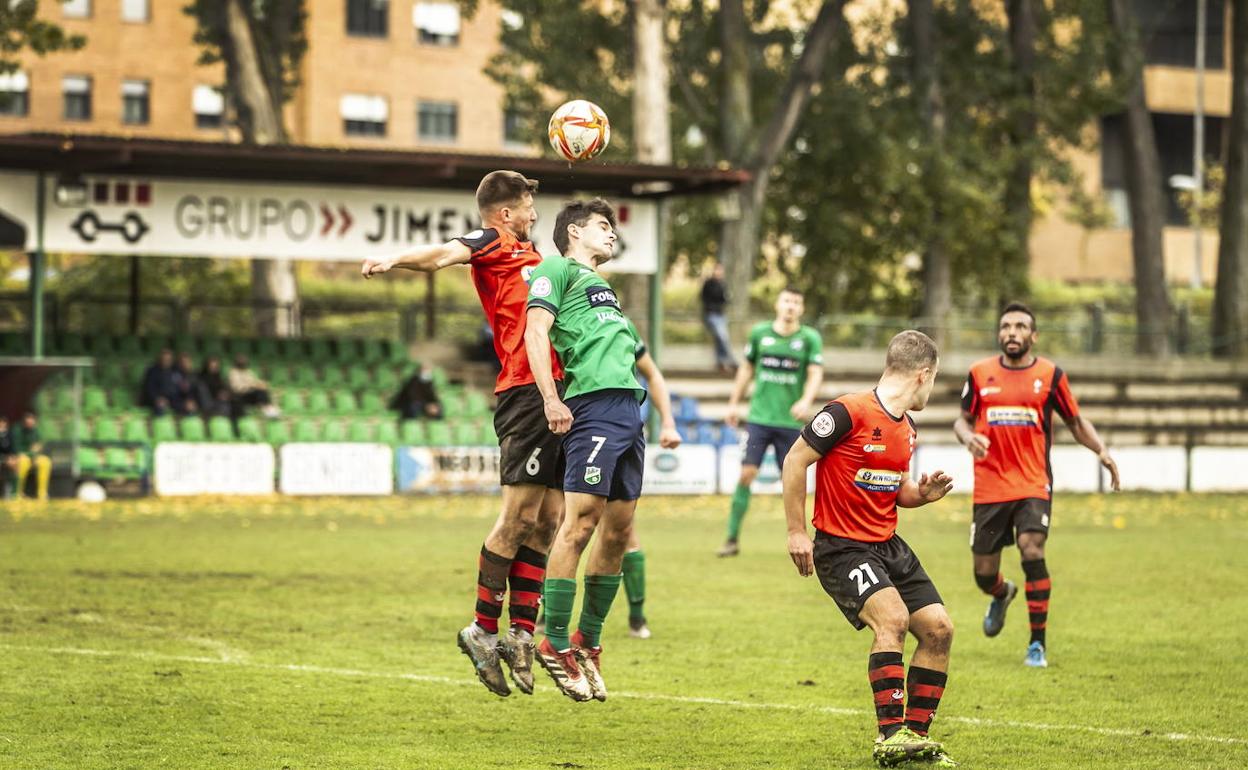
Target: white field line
x,y
1118,732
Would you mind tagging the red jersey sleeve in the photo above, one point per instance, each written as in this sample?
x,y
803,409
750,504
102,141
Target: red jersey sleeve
x,y
1063,399
482,242
970,394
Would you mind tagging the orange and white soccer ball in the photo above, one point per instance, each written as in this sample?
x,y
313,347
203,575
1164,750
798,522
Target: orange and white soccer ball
x,y
579,130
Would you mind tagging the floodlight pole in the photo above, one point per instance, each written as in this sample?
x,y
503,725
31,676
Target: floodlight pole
x,y
37,259
1198,146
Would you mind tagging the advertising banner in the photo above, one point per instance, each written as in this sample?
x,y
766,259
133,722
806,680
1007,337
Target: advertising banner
x,y
448,469
337,469
690,469
768,480
1219,469
214,469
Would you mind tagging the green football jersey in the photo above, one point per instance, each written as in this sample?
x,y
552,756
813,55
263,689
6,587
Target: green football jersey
x,y
780,372
593,338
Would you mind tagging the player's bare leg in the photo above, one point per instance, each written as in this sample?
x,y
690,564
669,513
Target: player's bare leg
x,y
1037,587
634,568
928,673
886,615
602,582
740,504
555,652
989,579
515,523
517,647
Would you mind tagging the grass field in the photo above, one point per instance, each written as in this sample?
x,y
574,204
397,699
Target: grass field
x,y
320,634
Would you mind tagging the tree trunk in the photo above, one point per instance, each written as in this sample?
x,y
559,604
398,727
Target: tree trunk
x,y
937,304
1230,302
1022,134
273,285
652,130
1153,313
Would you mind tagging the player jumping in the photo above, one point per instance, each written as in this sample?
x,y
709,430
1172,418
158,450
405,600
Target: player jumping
x,y
514,552
863,443
1007,425
599,416
785,361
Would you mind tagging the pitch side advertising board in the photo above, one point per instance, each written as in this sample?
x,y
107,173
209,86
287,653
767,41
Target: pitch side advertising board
x,y
214,469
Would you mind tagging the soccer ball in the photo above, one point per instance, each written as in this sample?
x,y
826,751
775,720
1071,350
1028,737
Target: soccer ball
x,y
579,130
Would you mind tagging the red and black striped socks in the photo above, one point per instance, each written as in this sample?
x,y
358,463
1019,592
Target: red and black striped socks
x,y
993,585
491,588
924,687
527,572
1037,588
888,681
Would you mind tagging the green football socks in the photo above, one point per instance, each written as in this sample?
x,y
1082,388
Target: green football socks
x,y
558,596
740,504
635,584
600,591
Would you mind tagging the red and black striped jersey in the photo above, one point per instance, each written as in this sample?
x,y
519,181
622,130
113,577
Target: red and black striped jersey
x,y
501,269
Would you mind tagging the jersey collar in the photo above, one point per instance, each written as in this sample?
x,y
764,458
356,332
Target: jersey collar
x,y
875,392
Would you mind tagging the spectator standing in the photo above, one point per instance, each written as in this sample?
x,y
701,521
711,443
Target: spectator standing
x,y
418,398
29,446
248,389
714,299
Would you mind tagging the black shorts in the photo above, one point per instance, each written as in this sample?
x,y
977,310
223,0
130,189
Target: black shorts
x,y
605,449
529,452
852,571
759,437
993,525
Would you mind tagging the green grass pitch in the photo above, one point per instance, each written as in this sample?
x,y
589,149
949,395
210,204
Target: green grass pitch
x,y
320,634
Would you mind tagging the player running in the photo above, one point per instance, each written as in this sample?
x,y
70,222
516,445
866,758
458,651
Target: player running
x,y
785,361
1007,425
863,443
599,417
501,256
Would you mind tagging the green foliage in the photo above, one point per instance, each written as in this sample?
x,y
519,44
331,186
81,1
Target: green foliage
x,y
21,29
279,30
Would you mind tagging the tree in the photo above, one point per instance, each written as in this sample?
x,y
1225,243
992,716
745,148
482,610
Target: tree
x,y
21,29
1153,312
1230,302
261,43
1022,133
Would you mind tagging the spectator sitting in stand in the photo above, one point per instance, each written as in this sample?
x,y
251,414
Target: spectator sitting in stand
x,y
212,391
187,400
418,398
30,454
159,390
8,458
248,389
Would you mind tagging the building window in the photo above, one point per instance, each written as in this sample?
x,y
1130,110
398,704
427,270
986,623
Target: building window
x,y
135,103
76,9
437,121
77,92
1174,135
209,107
513,129
15,95
368,18
364,115
135,11
1168,32
436,23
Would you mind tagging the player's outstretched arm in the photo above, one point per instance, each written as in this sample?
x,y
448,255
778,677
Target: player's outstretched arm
x,y
1085,433
793,476
537,346
426,259
805,405
669,438
928,489
745,374
976,443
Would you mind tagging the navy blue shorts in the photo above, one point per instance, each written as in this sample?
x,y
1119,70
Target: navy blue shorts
x,y
605,451
759,437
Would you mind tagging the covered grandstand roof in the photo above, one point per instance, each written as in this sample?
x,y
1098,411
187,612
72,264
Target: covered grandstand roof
x,y
82,154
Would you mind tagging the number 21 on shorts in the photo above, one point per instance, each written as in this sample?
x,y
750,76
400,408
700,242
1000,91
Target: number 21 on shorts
x,y
864,576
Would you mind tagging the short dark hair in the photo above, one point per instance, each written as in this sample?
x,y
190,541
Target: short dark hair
x,y
578,213
1018,307
791,289
910,351
503,188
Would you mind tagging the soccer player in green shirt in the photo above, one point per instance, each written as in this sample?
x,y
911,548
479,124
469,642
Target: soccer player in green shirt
x,y
599,417
784,359
28,445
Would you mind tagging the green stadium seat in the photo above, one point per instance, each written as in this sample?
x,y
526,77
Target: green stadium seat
x,y
135,429
212,346
466,434
277,374
395,352
277,432
123,463
53,429
318,403
488,436
249,430
184,343
372,404
386,380
106,430
306,431
89,463
387,433
453,406
413,433
240,345
320,350
361,432
347,350
112,374
332,377
291,349
99,345
164,429
334,431
134,373
359,378
220,429
344,403
476,405
129,347
304,376
94,401
372,351
292,403
266,348
192,429
121,398
85,431
438,433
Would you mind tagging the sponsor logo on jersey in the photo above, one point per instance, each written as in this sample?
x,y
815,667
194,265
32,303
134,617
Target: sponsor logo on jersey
x,y
877,481
593,474
877,433
1008,416
788,363
601,296
542,287
1037,385
796,344
767,341
869,448
988,391
823,425
526,273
